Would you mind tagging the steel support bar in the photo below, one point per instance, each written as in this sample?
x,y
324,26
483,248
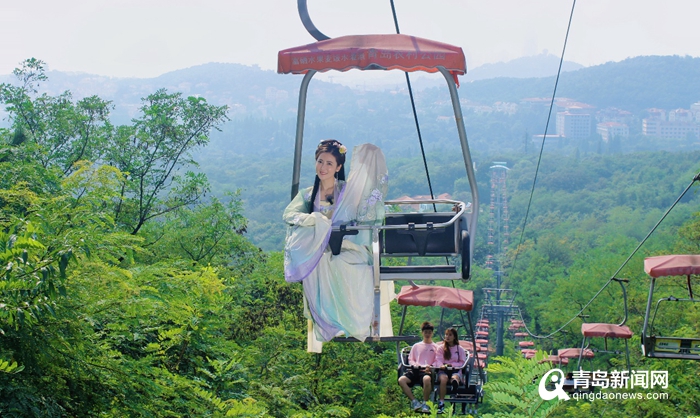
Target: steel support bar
x,y
467,159
303,89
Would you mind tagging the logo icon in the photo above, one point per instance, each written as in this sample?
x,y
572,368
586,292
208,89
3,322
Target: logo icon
x,y
558,381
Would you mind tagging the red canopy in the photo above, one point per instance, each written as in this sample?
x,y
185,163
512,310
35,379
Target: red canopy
x,y
446,297
672,265
529,354
526,344
482,334
574,353
373,52
521,334
467,345
606,330
555,359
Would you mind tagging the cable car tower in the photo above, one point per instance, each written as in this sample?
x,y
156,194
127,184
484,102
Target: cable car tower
x,y
498,302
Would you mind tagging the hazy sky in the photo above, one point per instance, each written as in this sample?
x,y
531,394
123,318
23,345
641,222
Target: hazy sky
x,y
145,38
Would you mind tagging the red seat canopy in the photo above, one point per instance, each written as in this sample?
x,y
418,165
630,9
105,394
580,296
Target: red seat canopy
x,y
467,345
606,330
373,52
446,297
672,265
574,353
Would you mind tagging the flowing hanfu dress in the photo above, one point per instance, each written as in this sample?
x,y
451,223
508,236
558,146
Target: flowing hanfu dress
x,y
339,289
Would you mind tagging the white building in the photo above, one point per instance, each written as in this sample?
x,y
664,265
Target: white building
x,y
679,124
608,130
573,125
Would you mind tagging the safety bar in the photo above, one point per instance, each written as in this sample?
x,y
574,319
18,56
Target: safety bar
x,y
458,215
465,364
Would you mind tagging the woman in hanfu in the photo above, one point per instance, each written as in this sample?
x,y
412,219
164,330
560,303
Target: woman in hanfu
x,y
338,289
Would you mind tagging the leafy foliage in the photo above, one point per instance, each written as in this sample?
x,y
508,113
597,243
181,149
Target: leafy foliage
x,y
125,291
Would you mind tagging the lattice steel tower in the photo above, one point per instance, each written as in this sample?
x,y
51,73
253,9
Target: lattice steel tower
x,y
498,237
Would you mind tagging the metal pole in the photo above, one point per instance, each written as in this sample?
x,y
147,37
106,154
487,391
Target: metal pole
x,y
467,158
300,131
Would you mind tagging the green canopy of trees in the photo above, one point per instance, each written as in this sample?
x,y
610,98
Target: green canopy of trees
x,y
129,285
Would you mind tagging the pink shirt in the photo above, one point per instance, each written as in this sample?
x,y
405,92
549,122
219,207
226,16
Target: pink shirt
x,y
457,356
422,354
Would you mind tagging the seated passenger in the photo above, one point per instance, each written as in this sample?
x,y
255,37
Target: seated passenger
x,y
338,289
422,358
449,353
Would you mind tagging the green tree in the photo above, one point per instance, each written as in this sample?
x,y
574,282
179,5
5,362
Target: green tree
x,y
154,151
512,389
60,131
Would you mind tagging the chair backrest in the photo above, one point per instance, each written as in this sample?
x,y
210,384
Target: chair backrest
x,y
423,242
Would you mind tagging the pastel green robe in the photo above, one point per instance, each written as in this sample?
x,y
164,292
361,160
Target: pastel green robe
x,y
339,289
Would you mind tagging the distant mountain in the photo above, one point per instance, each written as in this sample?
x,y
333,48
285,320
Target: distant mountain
x,y
247,90
635,84
535,66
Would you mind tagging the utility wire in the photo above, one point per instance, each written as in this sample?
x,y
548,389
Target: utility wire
x,y
415,114
539,159
614,276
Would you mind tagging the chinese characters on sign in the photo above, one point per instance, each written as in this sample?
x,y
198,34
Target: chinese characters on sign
x,y
359,56
644,379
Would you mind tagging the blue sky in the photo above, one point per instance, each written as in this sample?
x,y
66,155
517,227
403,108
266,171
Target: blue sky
x,y
146,38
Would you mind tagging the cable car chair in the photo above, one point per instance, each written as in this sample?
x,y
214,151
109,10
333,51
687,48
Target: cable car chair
x,y
605,330
661,346
433,235
470,391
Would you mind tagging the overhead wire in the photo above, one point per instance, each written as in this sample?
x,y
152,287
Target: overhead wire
x,y
544,138
614,276
415,114
532,190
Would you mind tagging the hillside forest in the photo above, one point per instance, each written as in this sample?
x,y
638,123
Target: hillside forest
x,y
134,286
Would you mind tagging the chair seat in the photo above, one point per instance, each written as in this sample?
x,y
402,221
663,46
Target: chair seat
x,y
417,269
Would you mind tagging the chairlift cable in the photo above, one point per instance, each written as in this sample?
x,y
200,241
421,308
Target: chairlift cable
x,y
539,159
614,276
415,114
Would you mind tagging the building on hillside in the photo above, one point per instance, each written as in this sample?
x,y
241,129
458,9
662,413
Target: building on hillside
x,y
695,110
572,124
680,115
608,130
564,104
669,129
676,124
613,114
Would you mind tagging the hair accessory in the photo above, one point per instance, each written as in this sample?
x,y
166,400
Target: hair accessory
x,y
341,148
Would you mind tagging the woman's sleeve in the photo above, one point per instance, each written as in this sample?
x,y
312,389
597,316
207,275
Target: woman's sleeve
x,y
297,212
307,236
